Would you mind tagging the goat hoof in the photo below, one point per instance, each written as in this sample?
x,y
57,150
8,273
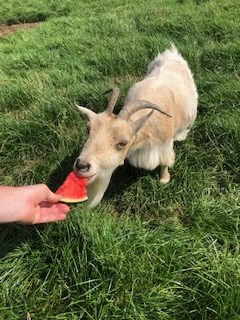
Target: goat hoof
x,y
165,180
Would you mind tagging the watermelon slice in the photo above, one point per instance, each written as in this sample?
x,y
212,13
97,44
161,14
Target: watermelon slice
x,y
73,189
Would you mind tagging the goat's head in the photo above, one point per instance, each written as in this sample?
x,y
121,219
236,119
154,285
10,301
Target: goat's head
x,y
110,138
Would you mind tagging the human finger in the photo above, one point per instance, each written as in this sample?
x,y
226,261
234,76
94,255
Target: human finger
x,y
43,193
52,197
51,212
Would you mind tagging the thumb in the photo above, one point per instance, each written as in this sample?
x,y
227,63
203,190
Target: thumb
x,y
52,197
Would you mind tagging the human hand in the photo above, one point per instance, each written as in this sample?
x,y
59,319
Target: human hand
x,y
30,205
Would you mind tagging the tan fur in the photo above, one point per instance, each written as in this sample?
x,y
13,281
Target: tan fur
x,y
168,84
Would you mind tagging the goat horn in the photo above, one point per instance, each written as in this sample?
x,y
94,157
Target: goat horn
x,y
131,107
115,93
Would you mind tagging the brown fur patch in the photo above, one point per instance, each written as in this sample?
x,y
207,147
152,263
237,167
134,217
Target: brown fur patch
x,y
5,29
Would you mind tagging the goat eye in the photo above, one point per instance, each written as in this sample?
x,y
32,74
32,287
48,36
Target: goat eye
x,y
121,145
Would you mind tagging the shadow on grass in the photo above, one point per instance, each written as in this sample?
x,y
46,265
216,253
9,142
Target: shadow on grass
x,y
13,235
34,15
122,179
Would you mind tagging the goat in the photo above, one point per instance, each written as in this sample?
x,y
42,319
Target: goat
x,y
145,138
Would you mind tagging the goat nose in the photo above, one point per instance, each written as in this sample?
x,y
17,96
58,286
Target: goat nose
x,y
82,166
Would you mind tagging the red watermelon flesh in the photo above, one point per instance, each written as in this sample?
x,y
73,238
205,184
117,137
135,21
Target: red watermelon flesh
x,y
73,189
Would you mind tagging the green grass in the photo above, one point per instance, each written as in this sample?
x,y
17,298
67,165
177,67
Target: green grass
x,y
146,252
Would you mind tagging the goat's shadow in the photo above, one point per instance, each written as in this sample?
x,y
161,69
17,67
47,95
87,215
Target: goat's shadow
x,y
122,179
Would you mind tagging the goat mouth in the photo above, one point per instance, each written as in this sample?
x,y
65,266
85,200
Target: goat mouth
x,y
83,175
91,178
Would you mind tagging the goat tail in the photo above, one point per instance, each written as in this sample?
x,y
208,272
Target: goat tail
x,y
155,66
173,48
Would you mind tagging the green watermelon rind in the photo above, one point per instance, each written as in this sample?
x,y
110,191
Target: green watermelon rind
x,y
71,200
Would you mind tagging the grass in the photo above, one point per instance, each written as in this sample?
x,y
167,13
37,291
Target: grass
x,y
147,251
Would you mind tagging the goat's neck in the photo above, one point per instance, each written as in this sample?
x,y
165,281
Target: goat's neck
x,y
97,189
140,140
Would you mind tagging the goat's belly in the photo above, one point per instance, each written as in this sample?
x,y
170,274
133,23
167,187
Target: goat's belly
x,y
147,158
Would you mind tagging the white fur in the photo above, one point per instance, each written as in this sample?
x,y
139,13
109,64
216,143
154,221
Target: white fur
x,y
97,189
150,158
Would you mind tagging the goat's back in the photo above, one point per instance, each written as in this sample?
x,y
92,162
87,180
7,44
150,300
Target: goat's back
x,y
168,83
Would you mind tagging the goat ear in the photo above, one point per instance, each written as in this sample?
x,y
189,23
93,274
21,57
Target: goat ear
x,y
138,124
89,113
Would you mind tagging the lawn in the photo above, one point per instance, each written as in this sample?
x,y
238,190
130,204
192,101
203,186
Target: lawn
x,y
147,251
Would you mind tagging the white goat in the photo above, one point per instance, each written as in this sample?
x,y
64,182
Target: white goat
x,y
145,139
